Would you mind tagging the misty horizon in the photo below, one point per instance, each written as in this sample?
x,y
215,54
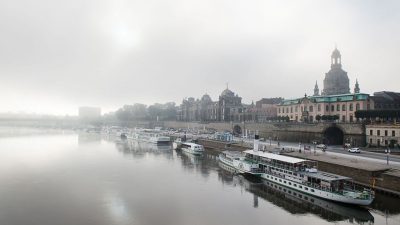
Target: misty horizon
x,y
57,56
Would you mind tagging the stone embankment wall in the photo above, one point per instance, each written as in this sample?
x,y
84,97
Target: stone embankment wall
x,y
297,132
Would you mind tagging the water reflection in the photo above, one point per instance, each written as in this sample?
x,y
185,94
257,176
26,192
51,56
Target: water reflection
x,y
140,149
103,180
296,202
85,138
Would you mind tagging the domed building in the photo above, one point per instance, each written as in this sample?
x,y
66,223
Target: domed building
x,y
335,103
228,108
336,81
229,105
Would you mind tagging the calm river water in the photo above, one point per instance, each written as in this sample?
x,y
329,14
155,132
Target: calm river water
x,y
57,177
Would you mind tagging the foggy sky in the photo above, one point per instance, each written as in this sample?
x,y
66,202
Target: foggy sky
x,y
58,55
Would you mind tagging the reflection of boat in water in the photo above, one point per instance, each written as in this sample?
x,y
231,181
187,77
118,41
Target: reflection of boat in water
x,y
136,148
194,159
297,202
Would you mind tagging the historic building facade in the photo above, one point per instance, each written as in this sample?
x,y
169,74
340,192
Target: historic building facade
x,y
386,100
307,109
335,99
229,107
383,135
226,108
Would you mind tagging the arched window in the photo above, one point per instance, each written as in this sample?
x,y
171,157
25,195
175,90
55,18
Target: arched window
x,y
332,108
338,107
319,107
344,107
351,106
358,106
327,108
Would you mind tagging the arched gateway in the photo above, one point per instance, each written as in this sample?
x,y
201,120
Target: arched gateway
x,y
237,130
333,136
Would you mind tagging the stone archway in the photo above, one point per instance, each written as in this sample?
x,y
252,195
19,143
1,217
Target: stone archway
x,y
237,130
333,136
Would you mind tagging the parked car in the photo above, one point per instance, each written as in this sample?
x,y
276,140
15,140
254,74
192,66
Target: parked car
x,y
354,150
321,146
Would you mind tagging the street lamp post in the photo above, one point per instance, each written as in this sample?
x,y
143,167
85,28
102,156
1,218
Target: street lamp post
x,y
387,151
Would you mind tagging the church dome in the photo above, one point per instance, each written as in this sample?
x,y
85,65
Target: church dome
x,y
228,92
206,98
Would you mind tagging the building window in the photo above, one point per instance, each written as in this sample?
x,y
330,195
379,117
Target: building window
x,y
343,118
296,108
338,107
378,132
279,110
287,110
327,108
311,108
291,109
370,141
351,107
332,108
319,108
371,132
393,133
386,142
386,133
358,106
302,109
343,107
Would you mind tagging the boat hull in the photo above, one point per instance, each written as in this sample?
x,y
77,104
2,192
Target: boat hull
x,y
316,192
191,151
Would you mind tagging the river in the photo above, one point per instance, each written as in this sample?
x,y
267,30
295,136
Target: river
x,y
63,177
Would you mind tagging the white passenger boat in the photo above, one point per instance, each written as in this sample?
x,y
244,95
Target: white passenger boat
x,y
192,148
302,175
239,163
151,136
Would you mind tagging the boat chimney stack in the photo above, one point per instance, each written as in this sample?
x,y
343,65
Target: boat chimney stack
x,y
256,142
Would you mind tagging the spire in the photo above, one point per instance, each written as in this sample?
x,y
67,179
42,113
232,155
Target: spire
x,y
316,89
356,87
336,58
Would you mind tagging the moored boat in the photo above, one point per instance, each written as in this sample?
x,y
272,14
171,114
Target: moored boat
x,y
303,175
177,143
151,136
239,163
192,148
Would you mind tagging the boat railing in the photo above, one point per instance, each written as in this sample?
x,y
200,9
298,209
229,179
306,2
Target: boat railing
x,y
358,194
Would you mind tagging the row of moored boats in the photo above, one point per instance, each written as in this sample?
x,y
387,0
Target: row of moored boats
x,y
298,174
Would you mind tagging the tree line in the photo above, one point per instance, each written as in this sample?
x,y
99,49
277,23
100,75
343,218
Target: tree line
x,y
378,113
141,112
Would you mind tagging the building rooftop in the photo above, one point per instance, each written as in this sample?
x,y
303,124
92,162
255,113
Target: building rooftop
x,y
328,98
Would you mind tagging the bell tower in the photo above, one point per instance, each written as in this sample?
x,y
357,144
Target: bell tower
x,y
336,59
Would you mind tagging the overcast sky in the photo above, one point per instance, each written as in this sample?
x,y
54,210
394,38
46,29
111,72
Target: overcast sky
x,y
58,55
